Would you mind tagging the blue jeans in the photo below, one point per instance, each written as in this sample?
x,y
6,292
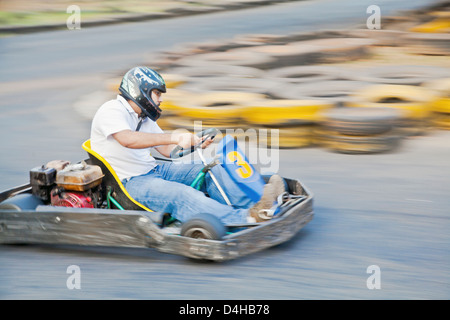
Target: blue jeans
x,y
166,188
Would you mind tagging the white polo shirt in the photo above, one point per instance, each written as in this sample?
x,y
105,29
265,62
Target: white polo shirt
x,y
115,116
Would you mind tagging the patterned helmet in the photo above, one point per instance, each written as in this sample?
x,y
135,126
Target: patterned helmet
x,y
137,85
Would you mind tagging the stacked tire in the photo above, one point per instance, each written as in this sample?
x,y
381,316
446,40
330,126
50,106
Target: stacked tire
x,y
358,131
412,101
221,110
294,121
440,105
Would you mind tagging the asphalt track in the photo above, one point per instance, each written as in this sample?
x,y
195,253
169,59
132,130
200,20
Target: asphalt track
x,y
388,210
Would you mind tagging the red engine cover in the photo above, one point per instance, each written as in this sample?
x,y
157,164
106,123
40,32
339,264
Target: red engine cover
x,y
72,199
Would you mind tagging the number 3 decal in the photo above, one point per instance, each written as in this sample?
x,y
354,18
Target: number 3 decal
x,y
245,170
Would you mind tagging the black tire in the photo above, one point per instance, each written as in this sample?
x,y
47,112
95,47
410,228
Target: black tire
x,y
361,121
400,74
361,144
230,84
304,74
235,57
204,226
333,91
21,202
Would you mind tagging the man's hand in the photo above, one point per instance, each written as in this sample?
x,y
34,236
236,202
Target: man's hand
x,y
186,140
207,142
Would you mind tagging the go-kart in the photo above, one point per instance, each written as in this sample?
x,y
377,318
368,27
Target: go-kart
x,y
86,204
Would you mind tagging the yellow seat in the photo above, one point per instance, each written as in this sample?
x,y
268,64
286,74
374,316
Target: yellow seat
x,y
111,181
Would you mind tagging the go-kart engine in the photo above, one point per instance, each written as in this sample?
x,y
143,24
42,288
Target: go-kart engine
x,y
61,198
67,185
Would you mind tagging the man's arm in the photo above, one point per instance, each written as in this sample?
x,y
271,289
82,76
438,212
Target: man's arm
x,y
165,141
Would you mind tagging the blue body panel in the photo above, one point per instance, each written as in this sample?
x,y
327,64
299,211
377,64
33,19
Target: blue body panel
x,y
239,168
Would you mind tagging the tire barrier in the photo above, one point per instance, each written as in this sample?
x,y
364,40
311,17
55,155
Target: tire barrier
x,y
283,39
219,109
441,90
220,46
440,87
399,74
383,37
287,137
205,72
307,74
230,84
359,145
440,105
442,121
360,122
294,120
283,112
356,131
439,25
428,43
237,57
174,80
311,51
413,101
263,136
194,125
302,86
173,101
283,55
337,92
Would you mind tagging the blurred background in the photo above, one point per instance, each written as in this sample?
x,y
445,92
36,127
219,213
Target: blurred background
x,y
359,96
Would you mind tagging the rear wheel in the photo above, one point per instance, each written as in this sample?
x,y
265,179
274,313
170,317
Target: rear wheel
x,y
21,202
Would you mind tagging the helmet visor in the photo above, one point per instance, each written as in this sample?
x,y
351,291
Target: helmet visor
x,y
151,109
154,112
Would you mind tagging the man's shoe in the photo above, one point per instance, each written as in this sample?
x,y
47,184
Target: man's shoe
x,y
278,183
261,212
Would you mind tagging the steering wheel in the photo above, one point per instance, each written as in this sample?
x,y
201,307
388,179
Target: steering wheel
x,y
179,152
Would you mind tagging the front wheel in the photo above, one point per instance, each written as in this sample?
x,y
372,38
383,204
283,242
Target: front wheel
x,y
204,226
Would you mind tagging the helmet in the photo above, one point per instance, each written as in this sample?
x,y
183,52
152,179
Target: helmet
x,y
137,85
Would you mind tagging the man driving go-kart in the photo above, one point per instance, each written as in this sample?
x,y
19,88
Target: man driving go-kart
x,y
122,196
123,131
